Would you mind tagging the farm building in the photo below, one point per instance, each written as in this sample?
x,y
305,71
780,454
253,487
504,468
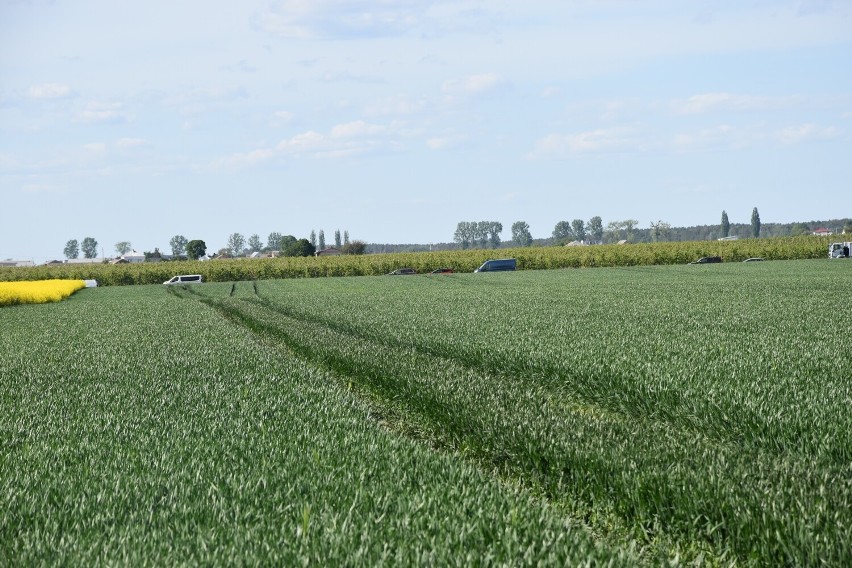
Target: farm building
x,y
84,261
331,251
133,256
10,262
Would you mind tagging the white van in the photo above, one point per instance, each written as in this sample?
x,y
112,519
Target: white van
x,y
184,279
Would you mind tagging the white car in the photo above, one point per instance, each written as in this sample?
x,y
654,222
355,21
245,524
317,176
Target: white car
x,y
184,279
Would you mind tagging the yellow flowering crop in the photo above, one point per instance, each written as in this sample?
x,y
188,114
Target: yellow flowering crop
x,y
37,291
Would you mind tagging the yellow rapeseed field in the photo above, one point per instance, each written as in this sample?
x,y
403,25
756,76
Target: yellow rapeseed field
x,y
37,291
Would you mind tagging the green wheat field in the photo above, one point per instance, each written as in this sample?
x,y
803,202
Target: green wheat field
x,y
647,415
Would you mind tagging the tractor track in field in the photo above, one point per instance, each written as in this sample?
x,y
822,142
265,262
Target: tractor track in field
x,y
446,401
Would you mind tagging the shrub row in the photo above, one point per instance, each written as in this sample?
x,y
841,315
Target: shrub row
x,y
535,258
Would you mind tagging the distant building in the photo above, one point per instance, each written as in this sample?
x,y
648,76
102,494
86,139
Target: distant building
x,y
731,238
823,232
10,262
84,261
331,251
133,256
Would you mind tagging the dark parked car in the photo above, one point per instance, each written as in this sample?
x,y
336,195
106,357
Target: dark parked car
x,y
707,260
402,271
442,271
500,264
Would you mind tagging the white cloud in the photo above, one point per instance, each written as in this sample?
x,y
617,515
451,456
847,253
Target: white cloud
x,y
50,91
246,159
304,142
103,112
722,136
444,142
714,102
343,140
396,106
129,143
284,116
599,140
358,128
95,149
804,133
42,188
474,84
309,19
204,99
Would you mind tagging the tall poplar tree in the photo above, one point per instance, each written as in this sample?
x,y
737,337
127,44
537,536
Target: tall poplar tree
x,y
755,223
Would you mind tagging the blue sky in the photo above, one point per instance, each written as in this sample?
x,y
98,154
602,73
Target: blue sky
x,y
395,120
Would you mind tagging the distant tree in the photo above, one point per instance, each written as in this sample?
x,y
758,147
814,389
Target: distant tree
x,y
123,248
321,240
494,230
236,242
195,249
155,256
613,230
595,229
89,246
725,226
464,234
483,229
72,249
338,242
579,229
178,244
755,223
273,241
345,238
629,225
254,243
660,231
847,228
302,247
355,247
562,231
799,229
521,234
286,241
313,239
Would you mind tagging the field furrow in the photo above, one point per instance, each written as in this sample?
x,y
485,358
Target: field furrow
x,y
611,464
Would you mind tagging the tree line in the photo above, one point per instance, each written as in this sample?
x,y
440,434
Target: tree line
x,y
486,234
237,245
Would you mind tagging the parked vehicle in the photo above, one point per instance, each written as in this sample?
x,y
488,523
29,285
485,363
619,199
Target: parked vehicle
x,y
402,272
184,279
754,259
495,265
442,271
839,250
707,260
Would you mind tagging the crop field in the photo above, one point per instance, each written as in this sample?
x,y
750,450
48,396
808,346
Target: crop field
x,y
615,416
529,258
38,291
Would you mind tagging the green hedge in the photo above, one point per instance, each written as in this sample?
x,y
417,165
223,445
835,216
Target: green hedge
x,y
532,258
